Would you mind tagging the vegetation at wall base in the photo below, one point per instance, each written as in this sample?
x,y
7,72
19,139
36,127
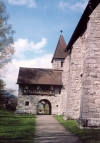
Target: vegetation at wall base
x,y
15,128
87,135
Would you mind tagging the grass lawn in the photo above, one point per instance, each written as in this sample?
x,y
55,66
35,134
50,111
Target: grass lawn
x,y
16,128
87,135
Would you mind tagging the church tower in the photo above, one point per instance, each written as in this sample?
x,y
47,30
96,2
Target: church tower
x,y
59,54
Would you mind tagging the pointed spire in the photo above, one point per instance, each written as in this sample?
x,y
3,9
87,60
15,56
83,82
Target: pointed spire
x,y
60,49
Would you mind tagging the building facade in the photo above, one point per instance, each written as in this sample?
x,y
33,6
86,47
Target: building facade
x,y
41,91
76,89
83,69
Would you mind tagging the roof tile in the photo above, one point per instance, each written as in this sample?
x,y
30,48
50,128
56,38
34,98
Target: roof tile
x,y
39,76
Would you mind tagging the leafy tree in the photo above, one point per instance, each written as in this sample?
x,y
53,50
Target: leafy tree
x,y
6,48
2,84
12,102
2,97
6,37
7,99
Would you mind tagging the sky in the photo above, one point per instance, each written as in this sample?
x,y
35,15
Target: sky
x,y
38,24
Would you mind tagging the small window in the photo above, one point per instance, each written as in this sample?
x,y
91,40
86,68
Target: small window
x,y
27,103
59,91
62,63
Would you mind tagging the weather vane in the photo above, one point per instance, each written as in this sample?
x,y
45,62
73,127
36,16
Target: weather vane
x,y
61,31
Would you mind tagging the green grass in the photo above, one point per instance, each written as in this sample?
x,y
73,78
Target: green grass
x,y
15,128
87,135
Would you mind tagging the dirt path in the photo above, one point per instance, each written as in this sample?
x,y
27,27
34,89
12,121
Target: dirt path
x,y
49,130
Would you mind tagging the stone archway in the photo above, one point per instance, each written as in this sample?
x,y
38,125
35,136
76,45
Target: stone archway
x,y
44,107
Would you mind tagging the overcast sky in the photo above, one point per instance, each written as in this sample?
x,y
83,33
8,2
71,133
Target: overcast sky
x,y
37,24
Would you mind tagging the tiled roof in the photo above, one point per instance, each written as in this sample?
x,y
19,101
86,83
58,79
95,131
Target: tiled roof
x,y
60,49
39,76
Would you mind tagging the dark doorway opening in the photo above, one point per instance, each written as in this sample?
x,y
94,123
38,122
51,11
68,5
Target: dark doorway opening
x,y
44,107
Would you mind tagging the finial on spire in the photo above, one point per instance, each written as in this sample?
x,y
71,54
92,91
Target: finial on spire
x,y
61,31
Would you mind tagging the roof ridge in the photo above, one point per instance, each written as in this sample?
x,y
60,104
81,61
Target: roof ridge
x,y
37,68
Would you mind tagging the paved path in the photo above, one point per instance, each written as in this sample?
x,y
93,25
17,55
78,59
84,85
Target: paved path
x,y
49,130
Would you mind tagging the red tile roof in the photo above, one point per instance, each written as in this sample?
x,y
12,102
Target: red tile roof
x,y
39,76
60,49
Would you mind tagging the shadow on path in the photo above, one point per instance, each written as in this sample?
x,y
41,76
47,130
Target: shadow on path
x,y
49,130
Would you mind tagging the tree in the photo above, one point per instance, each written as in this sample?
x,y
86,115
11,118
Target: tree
x,y
6,37
12,102
2,84
6,48
2,97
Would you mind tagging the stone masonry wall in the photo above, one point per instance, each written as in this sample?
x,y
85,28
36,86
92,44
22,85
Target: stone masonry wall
x,y
65,81
90,100
62,100
57,64
75,84
33,101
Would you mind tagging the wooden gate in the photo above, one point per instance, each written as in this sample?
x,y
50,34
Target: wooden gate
x,y
44,107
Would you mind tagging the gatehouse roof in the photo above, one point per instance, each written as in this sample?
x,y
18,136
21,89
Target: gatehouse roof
x,y
60,49
39,76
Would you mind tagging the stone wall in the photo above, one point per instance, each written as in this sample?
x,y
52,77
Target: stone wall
x,y
33,101
74,86
62,100
90,100
65,81
56,64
